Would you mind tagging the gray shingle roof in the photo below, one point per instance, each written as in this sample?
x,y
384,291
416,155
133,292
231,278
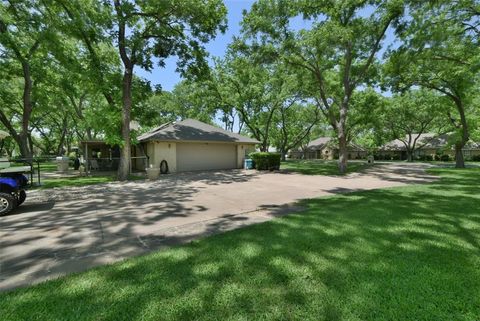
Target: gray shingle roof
x,y
426,141
322,142
319,143
193,130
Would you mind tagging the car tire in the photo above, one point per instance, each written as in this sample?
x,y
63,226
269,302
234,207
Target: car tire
x,y
7,203
22,196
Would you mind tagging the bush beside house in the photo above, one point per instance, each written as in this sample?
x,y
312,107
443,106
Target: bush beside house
x,y
266,161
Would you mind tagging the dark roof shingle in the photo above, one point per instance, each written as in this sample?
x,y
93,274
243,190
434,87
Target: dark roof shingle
x,y
193,130
322,142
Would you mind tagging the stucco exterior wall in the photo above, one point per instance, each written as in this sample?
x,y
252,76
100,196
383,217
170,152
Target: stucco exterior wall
x,y
242,152
158,151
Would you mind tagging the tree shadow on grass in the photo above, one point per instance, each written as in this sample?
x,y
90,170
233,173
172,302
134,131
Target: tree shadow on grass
x,y
394,254
100,219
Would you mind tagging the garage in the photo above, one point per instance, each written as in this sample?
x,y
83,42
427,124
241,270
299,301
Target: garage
x,y
191,145
206,156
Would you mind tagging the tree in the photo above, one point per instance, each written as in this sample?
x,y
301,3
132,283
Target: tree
x,y
141,31
188,99
337,54
160,29
293,125
440,53
256,89
408,116
363,119
24,34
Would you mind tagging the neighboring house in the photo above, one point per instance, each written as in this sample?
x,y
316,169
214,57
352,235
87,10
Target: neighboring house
x,y
191,145
428,144
326,148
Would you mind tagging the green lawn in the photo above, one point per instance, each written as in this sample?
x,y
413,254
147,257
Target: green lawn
x,y
410,253
46,167
320,167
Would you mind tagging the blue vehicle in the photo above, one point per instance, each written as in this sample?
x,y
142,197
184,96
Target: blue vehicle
x,y
12,191
12,184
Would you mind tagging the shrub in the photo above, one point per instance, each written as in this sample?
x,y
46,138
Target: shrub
x,y
476,158
265,161
428,158
445,158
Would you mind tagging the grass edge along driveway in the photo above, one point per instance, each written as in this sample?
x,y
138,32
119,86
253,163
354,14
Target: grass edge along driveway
x,y
408,253
321,167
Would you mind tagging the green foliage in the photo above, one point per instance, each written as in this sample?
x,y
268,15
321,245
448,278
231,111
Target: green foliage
x,y
364,118
440,51
294,122
265,160
70,50
445,158
256,89
334,57
425,158
188,99
407,116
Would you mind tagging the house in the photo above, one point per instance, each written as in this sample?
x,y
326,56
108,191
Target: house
x,y
99,155
191,145
326,148
428,145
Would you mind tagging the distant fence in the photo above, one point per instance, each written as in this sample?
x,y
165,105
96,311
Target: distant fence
x,y
95,164
112,163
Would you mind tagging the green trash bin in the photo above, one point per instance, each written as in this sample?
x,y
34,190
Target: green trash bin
x,y
248,163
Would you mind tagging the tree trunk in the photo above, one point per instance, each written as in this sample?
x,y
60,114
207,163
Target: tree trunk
x,y
342,154
342,139
459,160
24,145
264,147
60,150
125,153
25,149
409,155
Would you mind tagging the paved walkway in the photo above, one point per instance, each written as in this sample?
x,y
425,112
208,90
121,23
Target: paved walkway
x,y
71,230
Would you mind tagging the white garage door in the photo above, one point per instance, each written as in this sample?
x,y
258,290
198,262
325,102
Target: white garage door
x,y
202,156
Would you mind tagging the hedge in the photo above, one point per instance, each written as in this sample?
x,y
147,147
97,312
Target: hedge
x,y
445,158
266,161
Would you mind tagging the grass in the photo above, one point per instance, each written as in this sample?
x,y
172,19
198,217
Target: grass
x,y
409,253
320,167
81,181
46,167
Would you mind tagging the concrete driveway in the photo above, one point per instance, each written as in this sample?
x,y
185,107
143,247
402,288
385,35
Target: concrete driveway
x,y
73,229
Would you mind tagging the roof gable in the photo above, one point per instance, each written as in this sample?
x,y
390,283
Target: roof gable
x,y
193,130
424,141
